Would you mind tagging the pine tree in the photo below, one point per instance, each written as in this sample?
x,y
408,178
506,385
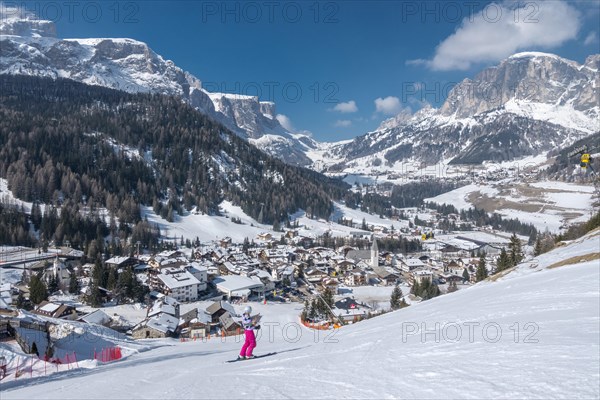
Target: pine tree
x,y
415,289
465,275
312,312
481,273
537,250
95,297
305,310
52,284
73,284
111,282
503,262
433,290
328,298
20,300
37,290
301,271
516,254
396,297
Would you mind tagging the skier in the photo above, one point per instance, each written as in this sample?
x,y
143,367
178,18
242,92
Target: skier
x,y
250,342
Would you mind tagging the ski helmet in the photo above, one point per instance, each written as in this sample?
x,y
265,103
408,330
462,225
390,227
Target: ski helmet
x,y
247,310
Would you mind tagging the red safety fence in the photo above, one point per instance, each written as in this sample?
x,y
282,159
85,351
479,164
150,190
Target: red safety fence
x,y
108,354
320,327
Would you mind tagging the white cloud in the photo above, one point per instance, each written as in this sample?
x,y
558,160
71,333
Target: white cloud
x,y
390,105
342,123
502,29
591,38
347,107
285,121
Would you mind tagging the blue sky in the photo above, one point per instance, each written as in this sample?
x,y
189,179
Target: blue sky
x,y
337,68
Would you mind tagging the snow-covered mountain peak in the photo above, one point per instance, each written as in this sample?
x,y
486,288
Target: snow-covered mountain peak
x,y
528,103
534,77
268,109
536,54
16,22
402,118
32,28
30,47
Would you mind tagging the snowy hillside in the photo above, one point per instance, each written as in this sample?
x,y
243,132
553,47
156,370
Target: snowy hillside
x,y
547,205
207,228
528,335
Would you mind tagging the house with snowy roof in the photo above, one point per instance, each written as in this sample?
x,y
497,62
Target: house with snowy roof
x,y
239,286
265,278
349,310
386,276
343,265
315,275
355,277
159,326
55,310
120,262
167,259
228,325
200,271
97,317
179,283
164,305
420,275
283,272
59,271
218,308
411,264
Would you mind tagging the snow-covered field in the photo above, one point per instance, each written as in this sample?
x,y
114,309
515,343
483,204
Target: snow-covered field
x,y
531,334
7,197
208,228
546,204
459,197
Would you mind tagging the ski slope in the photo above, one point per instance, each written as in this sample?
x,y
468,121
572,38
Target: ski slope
x,y
532,334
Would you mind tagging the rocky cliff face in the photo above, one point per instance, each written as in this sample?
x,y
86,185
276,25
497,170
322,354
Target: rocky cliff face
x,y
532,77
529,103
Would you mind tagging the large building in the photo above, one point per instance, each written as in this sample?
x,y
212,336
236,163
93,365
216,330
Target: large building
x,y
179,283
239,286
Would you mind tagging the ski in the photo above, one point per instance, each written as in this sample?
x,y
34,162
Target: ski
x,y
261,356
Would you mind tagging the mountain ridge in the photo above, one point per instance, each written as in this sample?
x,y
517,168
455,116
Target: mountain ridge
x,y
531,101
517,101
31,47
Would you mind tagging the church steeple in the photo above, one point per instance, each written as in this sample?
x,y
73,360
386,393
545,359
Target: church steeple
x,y
374,254
56,268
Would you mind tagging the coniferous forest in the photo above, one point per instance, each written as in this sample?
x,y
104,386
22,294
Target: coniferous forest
x,y
62,140
83,149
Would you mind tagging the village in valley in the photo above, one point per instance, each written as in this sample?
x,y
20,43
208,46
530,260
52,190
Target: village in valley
x,y
194,292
